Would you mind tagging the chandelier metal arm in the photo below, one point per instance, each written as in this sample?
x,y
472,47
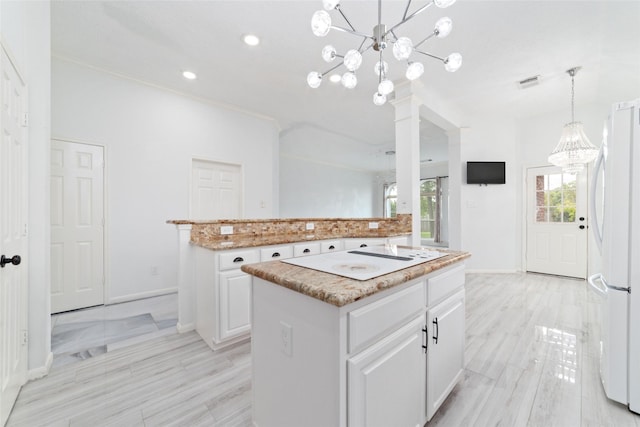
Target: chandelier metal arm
x,y
428,54
344,17
424,40
356,33
422,9
406,10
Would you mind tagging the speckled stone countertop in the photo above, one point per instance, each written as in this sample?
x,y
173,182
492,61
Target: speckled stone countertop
x,y
338,290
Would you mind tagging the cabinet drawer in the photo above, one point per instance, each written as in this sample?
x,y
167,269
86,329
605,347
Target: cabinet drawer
x,y
372,322
237,259
276,252
330,246
304,249
444,284
362,243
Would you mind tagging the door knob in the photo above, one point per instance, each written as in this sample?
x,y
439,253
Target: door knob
x,y
15,260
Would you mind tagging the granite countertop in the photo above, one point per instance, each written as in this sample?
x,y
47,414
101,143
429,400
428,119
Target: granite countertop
x,y
340,291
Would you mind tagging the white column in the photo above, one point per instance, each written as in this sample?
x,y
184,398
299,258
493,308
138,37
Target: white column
x,y
186,282
407,108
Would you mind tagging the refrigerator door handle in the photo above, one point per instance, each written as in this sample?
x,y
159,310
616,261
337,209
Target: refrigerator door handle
x,y
600,290
595,226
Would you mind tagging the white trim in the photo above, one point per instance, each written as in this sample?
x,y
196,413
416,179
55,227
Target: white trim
x,y
42,371
187,327
493,271
142,295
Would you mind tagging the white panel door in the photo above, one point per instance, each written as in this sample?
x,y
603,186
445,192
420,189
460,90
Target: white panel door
x,y
235,303
216,190
77,230
13,238
556,222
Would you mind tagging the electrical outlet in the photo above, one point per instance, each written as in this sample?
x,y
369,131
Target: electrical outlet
x,y
286,338
226,229
310,226
373,225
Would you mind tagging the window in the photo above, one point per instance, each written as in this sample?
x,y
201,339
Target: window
x,y
428,208
390,200
556,198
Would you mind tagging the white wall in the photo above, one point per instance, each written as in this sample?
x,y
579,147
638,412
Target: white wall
x,y
25,31
489,213
151,136
310,189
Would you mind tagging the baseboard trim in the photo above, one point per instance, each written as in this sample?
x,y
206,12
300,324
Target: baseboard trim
x,y
42,371
492,271
187,327
142,295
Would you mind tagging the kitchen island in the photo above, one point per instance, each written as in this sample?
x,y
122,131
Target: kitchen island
x,y
329,350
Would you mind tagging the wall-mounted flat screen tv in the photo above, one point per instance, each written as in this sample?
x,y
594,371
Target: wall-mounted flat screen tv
x,y
485,172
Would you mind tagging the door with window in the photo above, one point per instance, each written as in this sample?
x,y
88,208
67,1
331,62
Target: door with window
x,y
556,222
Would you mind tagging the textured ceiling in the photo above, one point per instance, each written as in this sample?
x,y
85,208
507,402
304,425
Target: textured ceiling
x,y
502,42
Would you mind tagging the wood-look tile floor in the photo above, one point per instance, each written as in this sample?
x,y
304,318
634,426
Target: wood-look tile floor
x,y
531,361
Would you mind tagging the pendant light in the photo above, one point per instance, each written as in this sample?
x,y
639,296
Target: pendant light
x,y
574,149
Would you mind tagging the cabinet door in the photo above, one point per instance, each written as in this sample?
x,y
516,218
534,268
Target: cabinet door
x,y
235,303
445,354
386,382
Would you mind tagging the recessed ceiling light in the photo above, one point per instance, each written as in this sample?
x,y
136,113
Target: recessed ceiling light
x,y
251,40
189,75
335,78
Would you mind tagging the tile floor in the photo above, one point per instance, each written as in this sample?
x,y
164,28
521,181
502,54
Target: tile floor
x,y
81,334
531,353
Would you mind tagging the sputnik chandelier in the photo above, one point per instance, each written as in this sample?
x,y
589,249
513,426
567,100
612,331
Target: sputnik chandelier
x,y
402,47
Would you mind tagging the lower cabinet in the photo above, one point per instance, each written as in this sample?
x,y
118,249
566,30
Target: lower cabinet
x,y
235,303
386,382
445,349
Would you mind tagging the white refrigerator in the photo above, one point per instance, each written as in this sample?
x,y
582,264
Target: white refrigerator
x,y
615,223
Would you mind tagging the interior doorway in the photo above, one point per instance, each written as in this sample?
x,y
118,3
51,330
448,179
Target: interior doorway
x,y
216,190
556,222
77,225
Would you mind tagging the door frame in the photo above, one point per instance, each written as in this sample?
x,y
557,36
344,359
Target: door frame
x,y
524,211
214,160
105,228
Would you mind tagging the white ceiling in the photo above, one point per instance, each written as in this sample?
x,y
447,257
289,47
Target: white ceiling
x,y
502,42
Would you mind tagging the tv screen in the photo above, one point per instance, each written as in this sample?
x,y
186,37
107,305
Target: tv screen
x,y
485,173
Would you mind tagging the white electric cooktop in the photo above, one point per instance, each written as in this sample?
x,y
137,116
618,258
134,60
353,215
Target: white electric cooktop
x,y
366,263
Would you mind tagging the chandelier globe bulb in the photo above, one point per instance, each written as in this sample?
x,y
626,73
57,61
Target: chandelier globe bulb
x,y
314,79
402,48
443,27
379,99
453,62
321,23
349,80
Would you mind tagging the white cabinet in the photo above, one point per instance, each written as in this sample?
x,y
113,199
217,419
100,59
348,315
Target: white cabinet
x,y
235,304
386,382
445,349
223,295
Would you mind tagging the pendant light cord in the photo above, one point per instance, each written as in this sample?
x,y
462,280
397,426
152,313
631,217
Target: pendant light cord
x,y
572,97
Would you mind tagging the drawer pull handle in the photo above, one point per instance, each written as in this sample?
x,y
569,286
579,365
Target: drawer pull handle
x,y
364,245
275,255
306,251
426,339
238,259
331,247
436,330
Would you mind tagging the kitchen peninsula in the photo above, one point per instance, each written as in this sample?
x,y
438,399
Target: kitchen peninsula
x,y
329,350
214,295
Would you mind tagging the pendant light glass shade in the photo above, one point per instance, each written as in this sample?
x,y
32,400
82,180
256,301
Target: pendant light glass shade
x,y
574,149
443,3
328,53
453,62
402,48
379,99
314,79
349,80
352,60
385,87
330,4
414,70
